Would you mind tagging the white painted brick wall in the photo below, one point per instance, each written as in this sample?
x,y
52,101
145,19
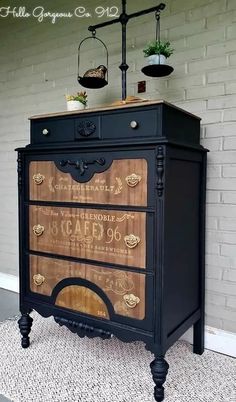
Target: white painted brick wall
x,y
38,66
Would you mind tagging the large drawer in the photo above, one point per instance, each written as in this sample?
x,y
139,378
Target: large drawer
x,y
125,290
124,182
112,236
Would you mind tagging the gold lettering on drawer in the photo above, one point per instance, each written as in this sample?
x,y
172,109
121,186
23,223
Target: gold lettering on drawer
x,y
125,290
90,233
118,185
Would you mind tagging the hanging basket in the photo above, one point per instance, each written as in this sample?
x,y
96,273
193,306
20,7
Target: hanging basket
x,y
94,78
92,82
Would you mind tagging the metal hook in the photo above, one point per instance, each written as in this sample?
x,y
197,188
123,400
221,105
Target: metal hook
x,y
157,15
94,33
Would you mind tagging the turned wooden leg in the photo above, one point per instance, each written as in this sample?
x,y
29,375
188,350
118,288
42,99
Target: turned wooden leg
x,y
198,337
159,369
25,324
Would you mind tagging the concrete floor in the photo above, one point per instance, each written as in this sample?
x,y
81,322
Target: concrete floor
x,y
8,308
9,305
3,399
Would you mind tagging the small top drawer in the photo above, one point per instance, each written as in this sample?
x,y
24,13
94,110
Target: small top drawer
x,y
46,131
138,123
65,130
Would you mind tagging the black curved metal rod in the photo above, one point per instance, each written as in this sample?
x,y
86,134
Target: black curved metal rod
x,y
85,39
123,20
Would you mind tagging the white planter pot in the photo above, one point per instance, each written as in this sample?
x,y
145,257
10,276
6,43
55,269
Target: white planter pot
x,y
75,105
157,59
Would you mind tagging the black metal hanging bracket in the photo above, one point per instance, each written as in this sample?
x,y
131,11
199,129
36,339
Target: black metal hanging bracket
x,y
92,82
123,20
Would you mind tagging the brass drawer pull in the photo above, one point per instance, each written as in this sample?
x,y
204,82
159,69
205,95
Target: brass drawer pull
x,y
38,178
131,300
38,230
38,279
133,179
131,240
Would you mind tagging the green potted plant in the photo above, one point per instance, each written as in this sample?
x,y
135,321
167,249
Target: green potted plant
x,y
77,101
157,52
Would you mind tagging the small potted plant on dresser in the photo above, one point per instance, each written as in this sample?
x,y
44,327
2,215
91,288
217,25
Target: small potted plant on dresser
x,y
157,52
77,101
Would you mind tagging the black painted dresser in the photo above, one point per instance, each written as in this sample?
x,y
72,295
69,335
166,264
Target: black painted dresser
x,y
111,223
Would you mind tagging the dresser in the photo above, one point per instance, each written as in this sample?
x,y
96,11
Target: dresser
x,y
112,226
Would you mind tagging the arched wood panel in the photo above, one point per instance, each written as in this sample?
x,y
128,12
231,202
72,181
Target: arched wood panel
x,y
82,299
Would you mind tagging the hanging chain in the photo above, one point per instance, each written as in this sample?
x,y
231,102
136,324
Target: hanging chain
x,y
158,27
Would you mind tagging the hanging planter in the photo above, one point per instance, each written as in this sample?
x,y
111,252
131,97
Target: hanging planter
x,y
93,78
157,53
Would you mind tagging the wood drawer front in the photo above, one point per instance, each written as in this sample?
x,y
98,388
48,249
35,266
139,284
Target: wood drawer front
x,y
124,183
125,290
117,237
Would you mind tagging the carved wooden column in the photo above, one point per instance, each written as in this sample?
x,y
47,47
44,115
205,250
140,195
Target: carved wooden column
x,y
159,369
25,324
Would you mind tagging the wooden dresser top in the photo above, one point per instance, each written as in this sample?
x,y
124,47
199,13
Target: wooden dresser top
x,y
110,107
